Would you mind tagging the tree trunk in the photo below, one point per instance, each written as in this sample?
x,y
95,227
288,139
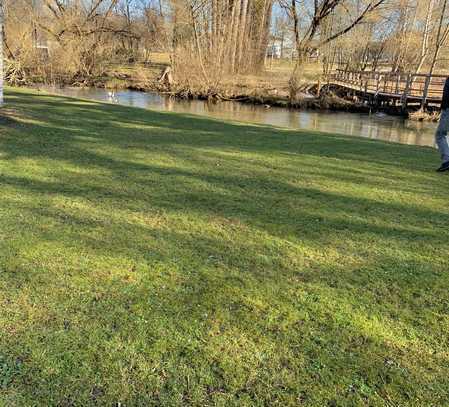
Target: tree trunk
x,y
235,27
440,39
243,32
294,82
425,38
264,35
198,47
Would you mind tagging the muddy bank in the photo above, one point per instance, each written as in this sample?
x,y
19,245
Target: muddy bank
x,y
271,98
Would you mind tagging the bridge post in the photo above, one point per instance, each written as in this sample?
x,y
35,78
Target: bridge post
x,y
406,91
425,92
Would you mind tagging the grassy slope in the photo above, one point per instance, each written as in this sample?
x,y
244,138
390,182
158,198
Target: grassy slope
x,y
158,259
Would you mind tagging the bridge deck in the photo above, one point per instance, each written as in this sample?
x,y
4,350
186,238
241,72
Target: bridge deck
x,y
424,89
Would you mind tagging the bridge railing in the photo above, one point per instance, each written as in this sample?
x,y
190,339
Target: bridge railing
x,y
406,86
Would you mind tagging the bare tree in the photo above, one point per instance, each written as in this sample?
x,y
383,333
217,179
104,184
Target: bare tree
x,y
213,43
426,33
215,38
306,39
442,33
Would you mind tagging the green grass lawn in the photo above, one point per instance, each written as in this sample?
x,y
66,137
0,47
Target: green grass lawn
x,y
161,259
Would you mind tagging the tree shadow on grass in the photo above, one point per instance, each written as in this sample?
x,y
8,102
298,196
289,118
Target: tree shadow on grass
x,y
318,221
177,281
215,322
145,124
278,203
261,200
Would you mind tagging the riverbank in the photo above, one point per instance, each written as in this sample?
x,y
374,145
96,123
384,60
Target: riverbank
x,y
155,258
308,97
269,87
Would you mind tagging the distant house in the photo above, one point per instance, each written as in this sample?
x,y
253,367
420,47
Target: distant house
x,y
41,43
280,48
313,54
40,37
274,51
284,48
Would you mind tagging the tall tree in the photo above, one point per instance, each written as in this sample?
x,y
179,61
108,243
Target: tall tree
x,y
306,34
440,39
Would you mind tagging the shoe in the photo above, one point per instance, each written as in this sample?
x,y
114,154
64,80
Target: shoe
x,y
444,167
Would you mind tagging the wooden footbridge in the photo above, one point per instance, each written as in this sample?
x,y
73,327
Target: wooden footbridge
x,y
391,87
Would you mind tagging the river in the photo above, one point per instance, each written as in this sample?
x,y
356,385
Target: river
x,y
374,126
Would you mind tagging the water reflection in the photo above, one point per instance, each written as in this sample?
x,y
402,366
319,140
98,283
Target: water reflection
x,y
375,126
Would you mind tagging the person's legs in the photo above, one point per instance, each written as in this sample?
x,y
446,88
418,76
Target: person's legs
x,y
441,136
